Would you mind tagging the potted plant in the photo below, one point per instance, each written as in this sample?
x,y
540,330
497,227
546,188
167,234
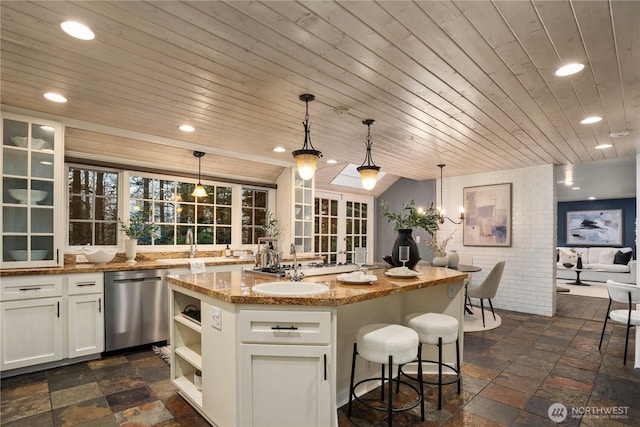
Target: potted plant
x,y
271,229
138,227
440,250
404,221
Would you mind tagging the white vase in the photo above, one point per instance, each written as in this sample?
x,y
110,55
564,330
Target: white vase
x,y
454,259
130,249
440,261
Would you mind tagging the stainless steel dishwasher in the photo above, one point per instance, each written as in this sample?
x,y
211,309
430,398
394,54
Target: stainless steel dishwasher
x,y
136,305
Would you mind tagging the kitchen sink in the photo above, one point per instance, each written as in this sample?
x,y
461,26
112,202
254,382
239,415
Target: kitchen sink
x,y
287,289
186,260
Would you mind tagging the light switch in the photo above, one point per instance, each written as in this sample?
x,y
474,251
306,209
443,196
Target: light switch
x,y
452,291
417,239
216,318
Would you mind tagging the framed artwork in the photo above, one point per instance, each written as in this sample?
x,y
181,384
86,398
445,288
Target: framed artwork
x,y
594,228
487,211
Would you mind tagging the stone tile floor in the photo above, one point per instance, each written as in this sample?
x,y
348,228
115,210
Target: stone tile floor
x,y
511,376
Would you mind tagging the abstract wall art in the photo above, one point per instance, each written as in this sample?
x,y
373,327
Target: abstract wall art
x,y
487,211
594,228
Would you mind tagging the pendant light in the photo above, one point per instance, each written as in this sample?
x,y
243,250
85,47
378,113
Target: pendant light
x,y
441,209
199,190
368,171
307,157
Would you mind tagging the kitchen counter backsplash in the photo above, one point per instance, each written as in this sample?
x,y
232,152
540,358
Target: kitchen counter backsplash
x,y
144,261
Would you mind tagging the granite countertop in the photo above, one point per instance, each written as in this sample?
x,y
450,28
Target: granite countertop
x,y
236,286
120,264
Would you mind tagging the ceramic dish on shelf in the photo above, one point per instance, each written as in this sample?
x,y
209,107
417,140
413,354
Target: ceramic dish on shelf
x,y
356,278
36,254
21,195
401,273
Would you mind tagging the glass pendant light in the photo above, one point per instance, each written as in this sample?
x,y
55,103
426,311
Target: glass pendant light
x,y
307,157
199,191
368,171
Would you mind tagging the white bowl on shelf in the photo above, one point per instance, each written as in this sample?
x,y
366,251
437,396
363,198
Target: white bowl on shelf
x,y
98,255
23,142
22,195
36,254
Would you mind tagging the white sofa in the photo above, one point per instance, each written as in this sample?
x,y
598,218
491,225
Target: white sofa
x,y
598,265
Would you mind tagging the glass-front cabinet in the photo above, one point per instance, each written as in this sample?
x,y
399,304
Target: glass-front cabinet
x,y
31,216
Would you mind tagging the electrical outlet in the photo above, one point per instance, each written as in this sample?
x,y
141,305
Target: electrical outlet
x,y
368,366
452,291
216,318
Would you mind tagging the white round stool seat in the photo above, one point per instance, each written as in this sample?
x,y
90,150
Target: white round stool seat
x,y
378,341
431,326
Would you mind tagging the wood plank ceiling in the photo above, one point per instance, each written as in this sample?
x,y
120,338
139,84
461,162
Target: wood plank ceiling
x,y
470,84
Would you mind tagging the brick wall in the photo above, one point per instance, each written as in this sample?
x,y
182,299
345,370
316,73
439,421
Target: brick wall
x,y
528,281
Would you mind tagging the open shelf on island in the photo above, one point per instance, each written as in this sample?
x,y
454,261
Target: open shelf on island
x,y
189,323
192,354
189,389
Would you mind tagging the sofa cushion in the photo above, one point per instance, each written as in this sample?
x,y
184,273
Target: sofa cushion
x,y
622,257
606,257
611,268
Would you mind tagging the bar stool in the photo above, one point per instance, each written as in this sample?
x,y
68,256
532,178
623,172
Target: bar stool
x,y
386,343
436,329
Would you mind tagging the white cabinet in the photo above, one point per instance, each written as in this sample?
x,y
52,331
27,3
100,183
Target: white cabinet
x,y
285,368
32,320
85,320
32,189
47,318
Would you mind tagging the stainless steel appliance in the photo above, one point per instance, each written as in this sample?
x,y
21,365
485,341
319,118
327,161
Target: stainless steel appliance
x,y
136,307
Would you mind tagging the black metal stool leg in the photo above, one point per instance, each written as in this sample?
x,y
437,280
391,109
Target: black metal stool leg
x,y
421,381
382,384
458,363
353,371
390,407
439,373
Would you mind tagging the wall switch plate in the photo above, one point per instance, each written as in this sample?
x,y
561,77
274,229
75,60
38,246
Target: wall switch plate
x,y
452,291
216,318
417,239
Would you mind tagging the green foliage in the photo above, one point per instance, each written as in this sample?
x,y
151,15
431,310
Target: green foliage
x,y
271,229
410,217
138,226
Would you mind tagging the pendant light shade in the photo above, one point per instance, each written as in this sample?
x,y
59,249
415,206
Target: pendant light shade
x,y
307,157
368,171
199,191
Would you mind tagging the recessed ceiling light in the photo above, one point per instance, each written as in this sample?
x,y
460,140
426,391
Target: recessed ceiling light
x,y
619,133
568,183
55,97
47,128
186,128
569,69
591,119
591,198
332,161
575,188
603,146
45,162
77,30
279,149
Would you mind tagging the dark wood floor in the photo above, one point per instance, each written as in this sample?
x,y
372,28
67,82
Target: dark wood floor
x,y
580,307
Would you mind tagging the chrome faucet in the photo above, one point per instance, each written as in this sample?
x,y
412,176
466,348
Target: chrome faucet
x,y
193,246
295,276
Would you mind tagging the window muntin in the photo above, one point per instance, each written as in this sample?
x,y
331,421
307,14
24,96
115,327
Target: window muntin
x,y
175,210
254,214
93,206
326,229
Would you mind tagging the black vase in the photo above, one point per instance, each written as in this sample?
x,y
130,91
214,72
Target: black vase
x,y
579,263
405,239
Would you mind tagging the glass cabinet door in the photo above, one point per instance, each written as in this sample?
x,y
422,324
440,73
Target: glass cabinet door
x,y
303,214
29,166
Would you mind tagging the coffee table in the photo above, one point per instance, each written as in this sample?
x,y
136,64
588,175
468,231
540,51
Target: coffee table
x,y
577,282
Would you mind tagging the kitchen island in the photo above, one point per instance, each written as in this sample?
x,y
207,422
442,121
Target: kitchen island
x,y
281,360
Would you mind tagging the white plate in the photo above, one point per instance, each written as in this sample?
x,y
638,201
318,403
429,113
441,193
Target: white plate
x,y
402,275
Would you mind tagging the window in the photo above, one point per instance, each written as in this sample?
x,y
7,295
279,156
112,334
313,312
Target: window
x,y
254,214
171,206
326,229
93,206
357,221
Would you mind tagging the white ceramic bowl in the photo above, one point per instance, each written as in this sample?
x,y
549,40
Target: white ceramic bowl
x,y
23,141
21,195
36,254
98,256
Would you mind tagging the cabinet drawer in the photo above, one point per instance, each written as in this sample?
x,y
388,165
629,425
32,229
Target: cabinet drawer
x,y
285,327
90,283
27,287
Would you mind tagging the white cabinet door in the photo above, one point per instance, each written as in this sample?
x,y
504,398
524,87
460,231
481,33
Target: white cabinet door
x,y
285,385
31,332
85,325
